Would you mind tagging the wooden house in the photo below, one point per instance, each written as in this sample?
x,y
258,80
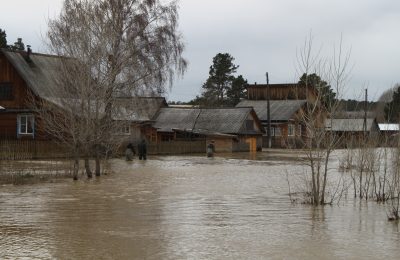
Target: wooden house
x,y
27,75
389,134
23,74
288,103
231,129
353,131
138,113
287,128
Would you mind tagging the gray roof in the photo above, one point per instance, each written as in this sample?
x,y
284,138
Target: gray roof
x,y
218,120
281,110
389,127
138,109
349,125
39,74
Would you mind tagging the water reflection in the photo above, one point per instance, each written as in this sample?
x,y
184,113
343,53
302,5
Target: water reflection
x,y
188,207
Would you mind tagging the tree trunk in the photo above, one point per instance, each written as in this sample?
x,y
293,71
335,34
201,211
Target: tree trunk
x,y
76,169
325,178
98,167
87,168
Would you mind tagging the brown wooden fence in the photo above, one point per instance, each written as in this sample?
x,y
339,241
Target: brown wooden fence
x,y
33,149
30,149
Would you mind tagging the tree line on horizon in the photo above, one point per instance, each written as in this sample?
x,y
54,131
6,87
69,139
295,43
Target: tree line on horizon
x,y
223,89
17,46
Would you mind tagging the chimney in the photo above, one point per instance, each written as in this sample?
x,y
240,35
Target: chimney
x,y
255,83
29,50
28,53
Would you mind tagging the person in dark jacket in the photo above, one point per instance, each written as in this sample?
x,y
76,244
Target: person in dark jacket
x,y
142,149
130,152
210,149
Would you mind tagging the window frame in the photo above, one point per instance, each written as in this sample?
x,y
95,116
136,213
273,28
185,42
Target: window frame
x,y
28,118
125,130
277,131
299,127
291,130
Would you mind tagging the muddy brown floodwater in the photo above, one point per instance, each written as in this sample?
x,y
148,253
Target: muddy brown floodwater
x,y
188,207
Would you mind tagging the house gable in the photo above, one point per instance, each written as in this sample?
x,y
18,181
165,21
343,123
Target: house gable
x,y
9,76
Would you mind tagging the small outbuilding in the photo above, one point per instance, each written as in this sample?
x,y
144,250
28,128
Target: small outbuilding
x,y
353,131
231,129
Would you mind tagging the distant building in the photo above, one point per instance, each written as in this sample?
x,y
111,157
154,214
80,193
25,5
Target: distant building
x,y
286,120
231,129
288,103
352,131
139,114
389,133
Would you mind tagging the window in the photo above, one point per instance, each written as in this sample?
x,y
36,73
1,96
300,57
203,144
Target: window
x,y
249,125
125,130
26,124
6,91
299,127
290,130
276,131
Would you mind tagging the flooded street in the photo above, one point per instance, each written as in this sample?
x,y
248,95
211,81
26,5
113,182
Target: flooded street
x,y
188,207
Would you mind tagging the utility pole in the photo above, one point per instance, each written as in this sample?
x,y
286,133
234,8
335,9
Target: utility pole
x,y
365,113
269,114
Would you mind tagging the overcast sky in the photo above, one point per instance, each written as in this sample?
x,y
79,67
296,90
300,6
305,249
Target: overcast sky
x,y
262,35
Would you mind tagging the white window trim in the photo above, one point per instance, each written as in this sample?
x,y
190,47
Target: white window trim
x,y
277,131
291,127
122,130
27,116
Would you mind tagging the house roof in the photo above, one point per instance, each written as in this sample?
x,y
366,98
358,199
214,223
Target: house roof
x,y
138,109
39,74
349,125
212,121
281,110
388,127
353,114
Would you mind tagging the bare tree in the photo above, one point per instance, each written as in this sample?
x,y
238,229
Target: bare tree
x,y
109,48
321,142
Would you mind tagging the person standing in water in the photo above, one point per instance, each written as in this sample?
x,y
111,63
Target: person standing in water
x,y
142,149
130,152
210,149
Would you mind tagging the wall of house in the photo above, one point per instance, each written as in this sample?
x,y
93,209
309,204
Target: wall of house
x,y
283,140
19,89
280,92
221,144
19,101
8,126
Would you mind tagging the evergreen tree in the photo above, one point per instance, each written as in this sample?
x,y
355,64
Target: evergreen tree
x,y
18,45
323,88
392,109
220,79
222,88
238,91
3,39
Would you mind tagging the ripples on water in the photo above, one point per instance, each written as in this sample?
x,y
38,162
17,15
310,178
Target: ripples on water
x,y
188,207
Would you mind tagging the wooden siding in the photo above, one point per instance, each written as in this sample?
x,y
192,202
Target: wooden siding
x,y
8,126
177,147
30,149
19,89
280,92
